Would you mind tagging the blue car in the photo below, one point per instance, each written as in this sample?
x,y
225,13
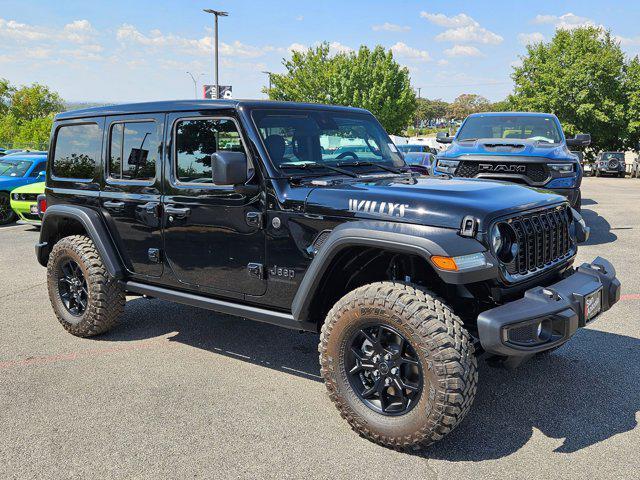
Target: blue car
x,y
525,148
16,170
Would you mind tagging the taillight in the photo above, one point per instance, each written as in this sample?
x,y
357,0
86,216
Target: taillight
x,y
42,205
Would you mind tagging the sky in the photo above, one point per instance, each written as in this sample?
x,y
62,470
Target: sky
x,y
138,50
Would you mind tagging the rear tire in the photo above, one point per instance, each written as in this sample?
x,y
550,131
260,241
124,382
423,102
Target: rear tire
x,y
7,215
444,358
85,298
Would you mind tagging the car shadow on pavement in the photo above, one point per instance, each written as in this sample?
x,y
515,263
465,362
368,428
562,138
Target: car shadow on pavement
x,y
582,394
258,343
600,228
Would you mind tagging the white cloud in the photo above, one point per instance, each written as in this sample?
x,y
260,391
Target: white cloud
x,y
530,38
79,31
442,62
391,27
403,50
463,51
21,31
469,34
337,47
440,19
129,34
297,47
568,21
299,18
628,41
461,28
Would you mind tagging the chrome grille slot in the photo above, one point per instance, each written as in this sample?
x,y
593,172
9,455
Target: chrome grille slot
x,y
543,239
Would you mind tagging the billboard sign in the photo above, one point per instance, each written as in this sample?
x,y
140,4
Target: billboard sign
x,y
224,91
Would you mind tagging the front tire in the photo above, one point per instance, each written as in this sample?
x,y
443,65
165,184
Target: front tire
x,y
7,215
398,346
84,297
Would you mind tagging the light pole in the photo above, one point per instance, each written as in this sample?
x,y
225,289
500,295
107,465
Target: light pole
x,y
216,14
419,88
195,82
269,75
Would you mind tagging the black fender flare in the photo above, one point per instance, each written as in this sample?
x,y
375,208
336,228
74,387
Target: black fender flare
x,y
420,240
94,228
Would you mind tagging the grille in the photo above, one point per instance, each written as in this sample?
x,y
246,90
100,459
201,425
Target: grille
x,y
23,197
543,237
535,172
523,335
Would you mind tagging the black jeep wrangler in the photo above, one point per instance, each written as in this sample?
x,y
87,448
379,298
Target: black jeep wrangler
x,y
306,216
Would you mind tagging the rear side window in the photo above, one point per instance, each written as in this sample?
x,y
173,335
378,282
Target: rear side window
x,y
196,140
77,150
134,151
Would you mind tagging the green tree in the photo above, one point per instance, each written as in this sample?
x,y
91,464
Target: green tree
x,y
34,101
579,76
369,79
632,88
6,90
466,104
501,106
34,134
430,110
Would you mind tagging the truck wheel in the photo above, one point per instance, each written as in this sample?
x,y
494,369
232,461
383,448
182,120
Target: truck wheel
x,y
7,215
85,298
398,364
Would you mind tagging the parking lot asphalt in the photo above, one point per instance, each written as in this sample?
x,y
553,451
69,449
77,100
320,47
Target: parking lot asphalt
x,y
177,392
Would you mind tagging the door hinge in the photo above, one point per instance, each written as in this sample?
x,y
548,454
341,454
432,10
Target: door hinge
x,y
154,255
254,219
255,270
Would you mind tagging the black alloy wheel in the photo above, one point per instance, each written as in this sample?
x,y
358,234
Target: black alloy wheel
x,y
72,286
383,369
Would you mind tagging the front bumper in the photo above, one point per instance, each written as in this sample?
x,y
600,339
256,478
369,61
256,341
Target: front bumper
x,y
23,210
548,316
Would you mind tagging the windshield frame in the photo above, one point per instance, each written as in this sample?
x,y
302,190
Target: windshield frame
x,y
518,115
337,111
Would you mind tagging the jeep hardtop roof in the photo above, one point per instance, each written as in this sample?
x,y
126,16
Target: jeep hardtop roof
x,y
187,105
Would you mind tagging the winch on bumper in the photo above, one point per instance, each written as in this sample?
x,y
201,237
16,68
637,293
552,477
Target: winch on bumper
x,y
549,316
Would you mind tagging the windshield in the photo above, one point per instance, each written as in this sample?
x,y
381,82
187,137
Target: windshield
x,y
319,138
540,128
16,168
415,158
613,156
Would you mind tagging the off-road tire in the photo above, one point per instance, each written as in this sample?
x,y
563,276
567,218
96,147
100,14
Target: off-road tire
x,y
106,299
445,352
7,215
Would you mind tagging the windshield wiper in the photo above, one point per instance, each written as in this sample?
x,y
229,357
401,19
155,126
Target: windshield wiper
x,y
316,165
361,163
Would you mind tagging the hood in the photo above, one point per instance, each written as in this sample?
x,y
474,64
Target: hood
x,y
438,202
497,147
31,188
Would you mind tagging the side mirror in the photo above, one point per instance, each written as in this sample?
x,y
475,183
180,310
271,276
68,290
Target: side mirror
x,y
443,137
229,168
43,173
580,140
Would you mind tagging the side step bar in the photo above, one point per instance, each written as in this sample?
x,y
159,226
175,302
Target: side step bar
x,y
246,311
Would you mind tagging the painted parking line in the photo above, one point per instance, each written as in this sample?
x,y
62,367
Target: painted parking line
x,y
82,354
630,296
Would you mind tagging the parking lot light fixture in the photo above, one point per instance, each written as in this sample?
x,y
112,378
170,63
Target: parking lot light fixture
x,y
216,14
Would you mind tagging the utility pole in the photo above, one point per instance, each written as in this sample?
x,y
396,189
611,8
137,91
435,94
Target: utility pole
x,y
195,83
269,75
216,14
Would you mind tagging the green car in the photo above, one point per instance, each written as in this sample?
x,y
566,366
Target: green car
x,y
24,201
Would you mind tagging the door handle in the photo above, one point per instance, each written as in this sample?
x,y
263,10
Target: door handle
x,y
177,212
113,205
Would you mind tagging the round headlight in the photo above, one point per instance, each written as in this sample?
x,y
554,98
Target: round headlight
x,y
503,242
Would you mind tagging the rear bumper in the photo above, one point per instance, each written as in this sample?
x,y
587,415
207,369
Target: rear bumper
x,y
548,316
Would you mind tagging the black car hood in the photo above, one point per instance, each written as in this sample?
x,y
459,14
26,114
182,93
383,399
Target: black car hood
x,y
437,202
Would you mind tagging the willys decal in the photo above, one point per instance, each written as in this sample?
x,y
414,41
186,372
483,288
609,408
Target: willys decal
x,y
377,208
